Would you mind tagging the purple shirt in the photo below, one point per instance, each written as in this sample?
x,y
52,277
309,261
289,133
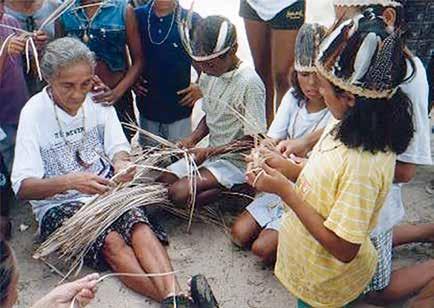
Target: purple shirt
x,y
13,88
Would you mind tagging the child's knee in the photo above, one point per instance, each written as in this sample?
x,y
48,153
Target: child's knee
x,y
179,193
241,236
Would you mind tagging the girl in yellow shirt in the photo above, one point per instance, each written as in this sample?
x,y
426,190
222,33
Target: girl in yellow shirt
x,y
325,257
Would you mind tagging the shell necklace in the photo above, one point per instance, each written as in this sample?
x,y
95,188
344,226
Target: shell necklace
x,y
151,9
78,153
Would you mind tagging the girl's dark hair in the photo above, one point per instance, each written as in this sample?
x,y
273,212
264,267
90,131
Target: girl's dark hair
x,y
377,124
296,89
206,34
7,269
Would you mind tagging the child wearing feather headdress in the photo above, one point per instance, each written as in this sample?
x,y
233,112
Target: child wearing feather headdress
x,y
234,107
302,111
325,256
390,285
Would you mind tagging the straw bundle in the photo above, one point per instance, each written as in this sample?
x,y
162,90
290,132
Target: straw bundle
x,y
75,237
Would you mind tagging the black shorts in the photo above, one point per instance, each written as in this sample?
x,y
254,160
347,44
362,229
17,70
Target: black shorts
x,y
290,18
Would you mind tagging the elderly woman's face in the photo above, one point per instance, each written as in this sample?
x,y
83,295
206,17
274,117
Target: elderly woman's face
x,y
71,85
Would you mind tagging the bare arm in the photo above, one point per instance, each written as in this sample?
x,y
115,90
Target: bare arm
x,y
38,189
84,182
197,135
404,172
135,48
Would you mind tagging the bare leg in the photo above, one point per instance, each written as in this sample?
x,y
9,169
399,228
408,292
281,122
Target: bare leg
x,y
265,246
259,37
404,283
154,259
425,298
282,55
245,230
167,178
122,259
207,196
179,192
406,233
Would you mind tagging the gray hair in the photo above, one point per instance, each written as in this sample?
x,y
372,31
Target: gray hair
x,y
62,53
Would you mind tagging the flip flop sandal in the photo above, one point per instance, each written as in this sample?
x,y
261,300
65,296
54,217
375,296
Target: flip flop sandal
x,y
181,301
201,292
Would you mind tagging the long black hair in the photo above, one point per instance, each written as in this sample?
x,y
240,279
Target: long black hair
x,y
377,125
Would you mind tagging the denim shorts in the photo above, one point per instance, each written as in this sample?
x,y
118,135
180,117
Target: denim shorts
x,y
290,18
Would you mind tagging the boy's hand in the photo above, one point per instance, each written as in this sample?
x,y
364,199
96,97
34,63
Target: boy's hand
x,y
293,146
186,143
200,155
191,95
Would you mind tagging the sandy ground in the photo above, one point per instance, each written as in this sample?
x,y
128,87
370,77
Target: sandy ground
x,y
238,279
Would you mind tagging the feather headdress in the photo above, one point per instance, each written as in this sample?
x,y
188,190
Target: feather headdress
x,y
362,57
308,40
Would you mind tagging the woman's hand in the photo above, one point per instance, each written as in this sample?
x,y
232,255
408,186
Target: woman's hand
x,y
102,94
124,171
41,40
88,183
16,46
140,87
269,180
191,95
82,290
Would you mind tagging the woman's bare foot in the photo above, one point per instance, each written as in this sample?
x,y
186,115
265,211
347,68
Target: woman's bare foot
x,y
425,298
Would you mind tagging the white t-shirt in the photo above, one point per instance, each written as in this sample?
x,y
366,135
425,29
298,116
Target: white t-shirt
x,y
41,152
294,121
267,9
418,152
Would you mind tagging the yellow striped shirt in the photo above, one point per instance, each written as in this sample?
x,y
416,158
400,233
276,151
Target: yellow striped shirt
x,y
347,187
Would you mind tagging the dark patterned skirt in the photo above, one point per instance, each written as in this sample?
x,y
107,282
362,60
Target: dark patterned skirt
x,y
94,258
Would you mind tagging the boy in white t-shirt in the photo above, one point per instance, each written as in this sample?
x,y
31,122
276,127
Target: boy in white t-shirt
x,y
302,111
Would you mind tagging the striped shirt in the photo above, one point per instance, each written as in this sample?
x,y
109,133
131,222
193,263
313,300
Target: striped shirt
x,y
234,106
347,187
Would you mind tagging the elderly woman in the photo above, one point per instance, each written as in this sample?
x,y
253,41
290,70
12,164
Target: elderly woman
x,y
66,147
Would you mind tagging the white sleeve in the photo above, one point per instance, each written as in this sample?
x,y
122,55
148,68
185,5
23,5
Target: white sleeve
x,y
417,89
27,160
114,137
280,125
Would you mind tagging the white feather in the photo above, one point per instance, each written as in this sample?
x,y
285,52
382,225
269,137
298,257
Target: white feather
x,y
364,56
222,36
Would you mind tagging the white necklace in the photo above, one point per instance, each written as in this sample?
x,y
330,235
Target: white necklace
x,y
170,28
78,152
305,132
86,37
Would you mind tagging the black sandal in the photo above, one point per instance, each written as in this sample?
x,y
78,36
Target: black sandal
x,y
179,301
201,292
